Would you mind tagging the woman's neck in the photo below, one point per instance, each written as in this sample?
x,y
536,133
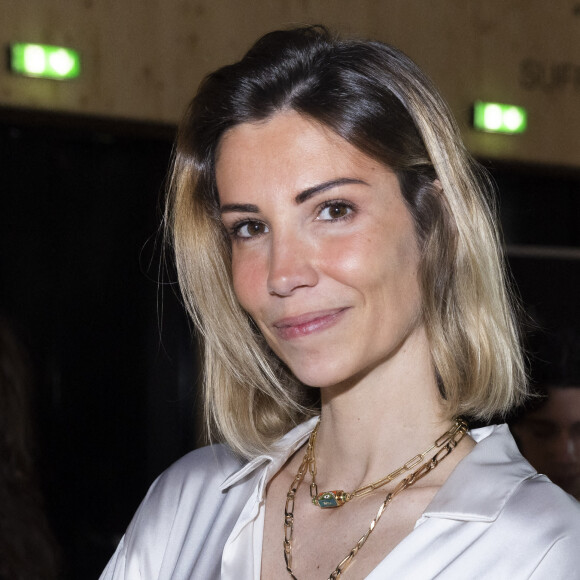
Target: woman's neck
x,y
381,420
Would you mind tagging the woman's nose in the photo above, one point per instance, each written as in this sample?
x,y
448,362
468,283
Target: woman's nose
x,y
291,266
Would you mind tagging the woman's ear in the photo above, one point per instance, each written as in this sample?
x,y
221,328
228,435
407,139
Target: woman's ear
x,y
438,185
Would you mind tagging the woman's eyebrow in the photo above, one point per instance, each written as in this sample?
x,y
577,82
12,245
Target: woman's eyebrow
x,y
300,198
239,207
308,193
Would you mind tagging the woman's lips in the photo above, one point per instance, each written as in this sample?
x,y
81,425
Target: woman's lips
x,y
305,324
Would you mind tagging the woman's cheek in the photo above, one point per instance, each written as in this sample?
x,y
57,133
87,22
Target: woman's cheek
x,y
250,281
348,255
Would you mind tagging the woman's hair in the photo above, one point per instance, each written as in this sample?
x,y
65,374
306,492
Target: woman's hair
x,y
379,101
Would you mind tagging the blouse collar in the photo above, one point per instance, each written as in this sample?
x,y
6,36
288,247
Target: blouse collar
x,y
476,490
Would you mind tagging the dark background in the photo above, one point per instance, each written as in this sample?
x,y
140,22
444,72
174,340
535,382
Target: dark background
x,y
84,286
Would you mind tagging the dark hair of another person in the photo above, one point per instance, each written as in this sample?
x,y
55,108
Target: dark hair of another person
x,y
28,550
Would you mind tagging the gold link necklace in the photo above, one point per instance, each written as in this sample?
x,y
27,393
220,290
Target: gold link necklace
x,y
446,443
337,498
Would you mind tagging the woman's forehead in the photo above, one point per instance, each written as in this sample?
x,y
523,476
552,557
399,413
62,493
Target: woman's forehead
x,y
291,135
290,152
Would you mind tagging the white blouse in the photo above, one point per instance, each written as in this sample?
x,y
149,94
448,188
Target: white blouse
x,y
494,518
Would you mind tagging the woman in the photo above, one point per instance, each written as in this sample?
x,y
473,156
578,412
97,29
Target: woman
x,y
337,252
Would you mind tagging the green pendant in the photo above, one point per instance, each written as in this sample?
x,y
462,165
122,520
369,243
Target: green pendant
x,y
329,499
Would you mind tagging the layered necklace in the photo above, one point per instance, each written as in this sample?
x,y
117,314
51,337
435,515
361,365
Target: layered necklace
x,y
337,498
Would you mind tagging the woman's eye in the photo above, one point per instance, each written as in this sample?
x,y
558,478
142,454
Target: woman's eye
x,y
249,229
334,211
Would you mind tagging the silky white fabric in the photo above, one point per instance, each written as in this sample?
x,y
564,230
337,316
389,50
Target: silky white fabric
x,y
495,518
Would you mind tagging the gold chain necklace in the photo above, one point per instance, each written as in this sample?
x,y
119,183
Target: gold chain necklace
x,y
446,443
337,498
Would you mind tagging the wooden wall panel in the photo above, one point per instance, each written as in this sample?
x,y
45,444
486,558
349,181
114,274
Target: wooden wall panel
x,y
142,59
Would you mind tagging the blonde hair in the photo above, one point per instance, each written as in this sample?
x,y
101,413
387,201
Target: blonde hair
x,y
378,100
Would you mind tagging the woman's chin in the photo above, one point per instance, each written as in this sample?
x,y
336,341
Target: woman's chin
x,y
315,377
322,376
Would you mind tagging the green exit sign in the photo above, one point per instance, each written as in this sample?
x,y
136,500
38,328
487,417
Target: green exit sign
x,y
44,61
499,118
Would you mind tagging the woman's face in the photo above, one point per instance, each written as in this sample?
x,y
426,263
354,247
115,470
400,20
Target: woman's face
x,y
324,252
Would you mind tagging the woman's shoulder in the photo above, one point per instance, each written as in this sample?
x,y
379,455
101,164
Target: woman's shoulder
x,y
495,484
185,510
192,482
520,493
195,476
206,466
548,519
543,503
